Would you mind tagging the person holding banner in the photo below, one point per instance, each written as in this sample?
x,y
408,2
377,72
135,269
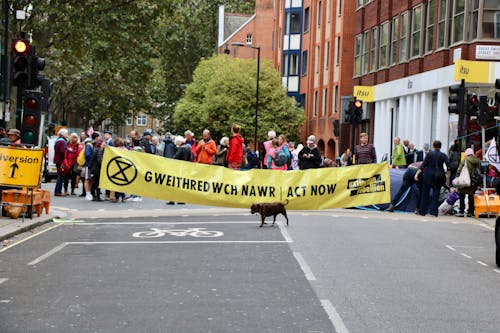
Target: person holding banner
x,y
364,153
235,152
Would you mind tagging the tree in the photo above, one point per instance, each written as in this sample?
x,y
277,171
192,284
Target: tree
x,y
223,92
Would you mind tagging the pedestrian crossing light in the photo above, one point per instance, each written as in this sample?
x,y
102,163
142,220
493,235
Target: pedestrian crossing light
x,y
20,62
472,105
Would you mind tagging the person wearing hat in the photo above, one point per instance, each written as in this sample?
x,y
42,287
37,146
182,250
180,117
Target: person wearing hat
x,y
309,156
14,136
146,144
470,162
108,138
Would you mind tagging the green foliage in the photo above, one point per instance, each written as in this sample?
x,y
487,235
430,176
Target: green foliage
x,y
223,92
116,58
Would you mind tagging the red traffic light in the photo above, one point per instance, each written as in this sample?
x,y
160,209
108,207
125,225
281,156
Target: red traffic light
x,y
21,46
473,99
31,103
29,120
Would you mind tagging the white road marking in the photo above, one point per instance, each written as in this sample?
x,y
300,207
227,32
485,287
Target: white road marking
x,y
285,233
450,247
177,242
334,316
496,271
487,226
466,255
3,280
163,223
30,237
305,267
5,301
482,263
48,254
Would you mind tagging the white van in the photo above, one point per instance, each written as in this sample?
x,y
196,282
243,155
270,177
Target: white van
x,y
50,169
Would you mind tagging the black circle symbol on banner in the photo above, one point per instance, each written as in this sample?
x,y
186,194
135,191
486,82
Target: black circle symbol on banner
x,y
121,171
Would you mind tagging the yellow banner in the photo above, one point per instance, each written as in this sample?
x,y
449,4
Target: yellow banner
x,y
20,167
173,180
364,93
472,71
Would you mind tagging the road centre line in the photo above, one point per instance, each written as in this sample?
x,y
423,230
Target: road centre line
x,y
285,233
28,238
496,271
304,266
3,280
466,255
450,247
48,254
334,316
482,263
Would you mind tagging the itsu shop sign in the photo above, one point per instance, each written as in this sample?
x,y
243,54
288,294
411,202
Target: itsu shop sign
x,y
20,167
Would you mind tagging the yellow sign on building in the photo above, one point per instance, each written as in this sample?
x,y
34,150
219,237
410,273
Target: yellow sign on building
x,y
364,93
20,166
473,71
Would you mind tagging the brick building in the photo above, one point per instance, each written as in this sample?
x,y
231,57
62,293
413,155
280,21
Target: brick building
x,y
406,50
311,45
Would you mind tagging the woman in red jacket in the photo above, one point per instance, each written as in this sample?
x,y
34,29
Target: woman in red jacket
x,y
74,148
235,152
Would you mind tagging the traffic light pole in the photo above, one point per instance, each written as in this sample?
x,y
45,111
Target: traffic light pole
x,y
19,107
461,117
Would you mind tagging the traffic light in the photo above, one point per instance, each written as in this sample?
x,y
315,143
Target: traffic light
x,y
349,113
358,111
30,127
472,105
485,115
456,99
20,62
37,64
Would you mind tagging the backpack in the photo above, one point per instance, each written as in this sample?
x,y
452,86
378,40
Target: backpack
x,y
476,178
80,160
280,158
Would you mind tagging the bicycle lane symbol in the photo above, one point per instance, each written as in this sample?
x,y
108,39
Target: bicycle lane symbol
x,y
193,232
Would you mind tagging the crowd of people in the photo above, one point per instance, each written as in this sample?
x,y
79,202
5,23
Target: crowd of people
x,y
78,158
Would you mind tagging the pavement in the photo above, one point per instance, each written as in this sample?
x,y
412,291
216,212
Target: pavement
x,y
12,227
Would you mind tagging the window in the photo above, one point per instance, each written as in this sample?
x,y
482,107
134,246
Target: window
x,y
384,40
394,41
249,38
318,18
416,31
141,120
359,4
292,23
316,69
304,62
373,49
339,10
491,19
129,121
325,100
335,99
294,64
473,21
429,30
364,55
327,55
441,40
306,19
338,51
403,38
357,54
290,64
458,21
315,104
328,11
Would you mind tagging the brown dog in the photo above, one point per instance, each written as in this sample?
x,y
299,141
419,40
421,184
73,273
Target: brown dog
x,y
269,209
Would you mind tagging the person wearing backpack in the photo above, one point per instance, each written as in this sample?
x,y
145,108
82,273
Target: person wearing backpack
x,y
277,156
470,162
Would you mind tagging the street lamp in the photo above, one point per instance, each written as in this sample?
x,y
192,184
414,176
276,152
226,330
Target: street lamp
x,y
255,143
